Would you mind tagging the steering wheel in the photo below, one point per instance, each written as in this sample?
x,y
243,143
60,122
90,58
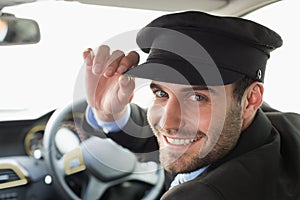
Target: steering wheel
x,y
106,163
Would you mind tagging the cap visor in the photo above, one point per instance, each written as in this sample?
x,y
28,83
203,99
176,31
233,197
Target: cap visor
x,y
188,76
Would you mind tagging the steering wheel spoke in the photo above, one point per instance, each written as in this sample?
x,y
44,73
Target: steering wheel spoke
x,y
95,189
73,161
60,167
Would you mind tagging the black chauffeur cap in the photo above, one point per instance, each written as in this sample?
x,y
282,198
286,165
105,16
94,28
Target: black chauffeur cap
x,y
197,48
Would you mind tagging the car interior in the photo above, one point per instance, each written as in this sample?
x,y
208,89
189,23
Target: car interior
x,y
44,154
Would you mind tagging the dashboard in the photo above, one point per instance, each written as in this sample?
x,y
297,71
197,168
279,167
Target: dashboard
x,y
23,170
15,136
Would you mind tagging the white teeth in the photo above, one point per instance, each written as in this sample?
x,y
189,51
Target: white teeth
x,y
181,141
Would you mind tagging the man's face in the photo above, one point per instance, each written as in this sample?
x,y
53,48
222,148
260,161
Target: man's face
x,y
194,125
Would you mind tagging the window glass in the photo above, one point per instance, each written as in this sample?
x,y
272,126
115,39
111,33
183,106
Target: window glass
x,y
282,79
40,77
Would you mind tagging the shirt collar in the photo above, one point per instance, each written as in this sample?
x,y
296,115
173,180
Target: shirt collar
x,y
185,177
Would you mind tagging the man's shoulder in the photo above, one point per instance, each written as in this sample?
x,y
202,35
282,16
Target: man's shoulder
x,y
288,126
193,190
283,121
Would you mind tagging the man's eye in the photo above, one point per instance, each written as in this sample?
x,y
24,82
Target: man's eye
x,y
160,93
197,97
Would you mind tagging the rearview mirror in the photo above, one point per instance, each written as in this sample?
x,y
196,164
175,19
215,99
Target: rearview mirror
x,y
15,31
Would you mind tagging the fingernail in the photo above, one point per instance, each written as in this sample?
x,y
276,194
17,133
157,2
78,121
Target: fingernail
x,y
96,69
122,69
124,80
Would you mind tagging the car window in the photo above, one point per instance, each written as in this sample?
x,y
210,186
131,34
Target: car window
x,y
39,77
282,75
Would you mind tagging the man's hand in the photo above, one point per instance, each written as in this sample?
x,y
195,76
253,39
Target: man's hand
x,y
108,91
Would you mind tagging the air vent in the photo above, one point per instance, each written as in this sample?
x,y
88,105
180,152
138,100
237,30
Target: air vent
x,y
8,175
9,196
12,175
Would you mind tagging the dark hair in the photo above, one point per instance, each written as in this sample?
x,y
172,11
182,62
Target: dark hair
x,y
240,86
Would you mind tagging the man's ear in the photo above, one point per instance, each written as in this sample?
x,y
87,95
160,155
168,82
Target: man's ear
x,y
252,100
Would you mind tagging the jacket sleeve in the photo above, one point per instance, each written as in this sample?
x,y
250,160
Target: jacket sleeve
x,y
136,136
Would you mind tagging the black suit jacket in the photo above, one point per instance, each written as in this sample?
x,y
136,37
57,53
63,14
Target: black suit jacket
x,y
265,164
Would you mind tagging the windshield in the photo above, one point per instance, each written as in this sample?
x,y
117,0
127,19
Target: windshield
x,y
40,77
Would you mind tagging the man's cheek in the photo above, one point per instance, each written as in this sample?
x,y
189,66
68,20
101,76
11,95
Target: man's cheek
x,y
155,115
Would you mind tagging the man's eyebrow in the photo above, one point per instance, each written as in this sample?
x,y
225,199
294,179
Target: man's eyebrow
x,y
197,87
153,85
188,88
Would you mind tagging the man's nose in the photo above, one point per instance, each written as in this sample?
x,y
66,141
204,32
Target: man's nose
x,y
172,118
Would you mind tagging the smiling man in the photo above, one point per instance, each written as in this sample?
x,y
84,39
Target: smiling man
x,y
207,73
180,117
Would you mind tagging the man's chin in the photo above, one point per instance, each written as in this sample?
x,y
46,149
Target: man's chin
x,y
182,162
175,163
179,167
173,168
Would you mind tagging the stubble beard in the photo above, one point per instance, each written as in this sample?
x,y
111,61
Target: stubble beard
x,y
188,161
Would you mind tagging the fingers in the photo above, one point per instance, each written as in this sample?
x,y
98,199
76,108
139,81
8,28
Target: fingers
x,y
86,53
88,56
113,63
127,86
129,61
104,79
108,64
100,59
119,63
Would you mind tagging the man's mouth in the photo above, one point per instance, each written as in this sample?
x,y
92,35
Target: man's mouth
x,y
181,141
